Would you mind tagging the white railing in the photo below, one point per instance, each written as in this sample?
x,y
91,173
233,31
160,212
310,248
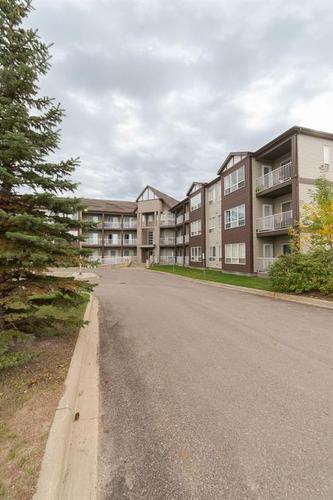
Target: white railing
x,y
275,222
264,263
147,223
129,224
170,240
92,242
115,260
129,242
186,216
180,260
112,225
275,177
186,238
167,221
180,219
167,259
186,261
180,240
112,243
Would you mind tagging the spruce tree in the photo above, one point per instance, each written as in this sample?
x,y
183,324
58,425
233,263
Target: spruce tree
x,y
38,228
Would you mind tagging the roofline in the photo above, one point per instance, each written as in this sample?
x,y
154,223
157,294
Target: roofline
x,y
183,201
296,129
213,181
232,153
195,182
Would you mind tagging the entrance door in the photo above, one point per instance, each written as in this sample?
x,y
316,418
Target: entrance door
x,y
268,220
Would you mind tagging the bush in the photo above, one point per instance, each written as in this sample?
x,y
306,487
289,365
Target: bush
x,y
299,273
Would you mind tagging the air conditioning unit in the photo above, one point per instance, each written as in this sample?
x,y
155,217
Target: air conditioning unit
x,y
324,168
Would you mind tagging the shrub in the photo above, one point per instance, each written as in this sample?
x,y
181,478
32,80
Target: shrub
x,y
299,273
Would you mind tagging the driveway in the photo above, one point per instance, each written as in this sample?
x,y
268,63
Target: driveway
x,y
209,393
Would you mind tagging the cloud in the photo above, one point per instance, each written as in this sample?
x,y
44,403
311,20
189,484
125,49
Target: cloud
x,y
159,92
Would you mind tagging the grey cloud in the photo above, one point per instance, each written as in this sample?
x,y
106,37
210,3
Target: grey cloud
x,y
159,92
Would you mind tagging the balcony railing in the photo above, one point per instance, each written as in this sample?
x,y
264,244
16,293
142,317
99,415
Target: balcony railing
x,y
274,178
167,221
180,240
186,261
264,263
180,219
129,242
180,260
186,238
129,224
147,223
92,242
167,259
275,222
170,240
112,243
108,224
186,216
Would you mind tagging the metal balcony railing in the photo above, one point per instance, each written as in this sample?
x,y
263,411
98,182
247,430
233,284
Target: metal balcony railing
x,y
167,221
264,263
180,239
275,222
129,242
180,219
274,178
170,240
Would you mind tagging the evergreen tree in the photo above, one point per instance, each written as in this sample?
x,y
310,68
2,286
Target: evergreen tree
x,y
37,213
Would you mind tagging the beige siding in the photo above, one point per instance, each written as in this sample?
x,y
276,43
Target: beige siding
x,y
311,156
213,237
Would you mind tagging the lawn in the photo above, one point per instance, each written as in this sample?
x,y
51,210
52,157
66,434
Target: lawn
x,y
29,395
217,276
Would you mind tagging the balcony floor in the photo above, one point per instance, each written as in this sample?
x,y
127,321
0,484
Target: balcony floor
x,y
275,191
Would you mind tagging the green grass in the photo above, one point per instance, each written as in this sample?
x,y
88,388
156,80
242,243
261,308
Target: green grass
x,y
217,276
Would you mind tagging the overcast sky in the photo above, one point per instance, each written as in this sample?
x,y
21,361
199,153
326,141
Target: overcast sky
x,y
159,91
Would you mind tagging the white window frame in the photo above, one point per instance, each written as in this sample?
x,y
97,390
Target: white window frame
x,y
211,223
195,202
235,254
285,203
195,228
212,255
229,186
239,221
196,255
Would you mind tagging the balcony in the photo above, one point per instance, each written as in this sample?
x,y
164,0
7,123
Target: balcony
x,y
279,222
147,223
186,238
179,260
167,241
186,261
187,216
167,259
129,224
180,240
264,263
167,221
90,242
131,242
112,243
112,224
277,181
180,219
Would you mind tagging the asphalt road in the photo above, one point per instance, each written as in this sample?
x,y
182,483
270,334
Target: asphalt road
x,y
209,393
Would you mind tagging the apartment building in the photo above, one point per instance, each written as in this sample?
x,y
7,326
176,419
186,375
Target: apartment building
x,y
238,222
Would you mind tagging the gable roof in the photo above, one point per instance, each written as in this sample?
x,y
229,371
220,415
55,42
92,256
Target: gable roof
x,y
230,155
112,206
202,184
168,200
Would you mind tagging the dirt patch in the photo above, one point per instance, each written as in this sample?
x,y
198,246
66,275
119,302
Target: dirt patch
x,y
28,398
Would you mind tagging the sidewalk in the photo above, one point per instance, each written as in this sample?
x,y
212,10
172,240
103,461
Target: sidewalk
x,y
69,467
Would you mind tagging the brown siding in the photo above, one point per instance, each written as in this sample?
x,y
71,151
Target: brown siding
x,y
199,214
241,234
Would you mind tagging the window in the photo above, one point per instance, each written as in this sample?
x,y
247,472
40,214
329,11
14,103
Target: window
x,y
213,194
234,217
326,152
211,223
286,248
234,181
150,238
196,228
234,253
212,253
196,254
286,206
195,202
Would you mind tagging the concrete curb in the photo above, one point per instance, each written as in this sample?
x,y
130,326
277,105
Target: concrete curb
x,y
69,466
308,301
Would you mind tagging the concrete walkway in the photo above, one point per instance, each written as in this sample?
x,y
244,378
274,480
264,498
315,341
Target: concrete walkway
x,y
210,393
